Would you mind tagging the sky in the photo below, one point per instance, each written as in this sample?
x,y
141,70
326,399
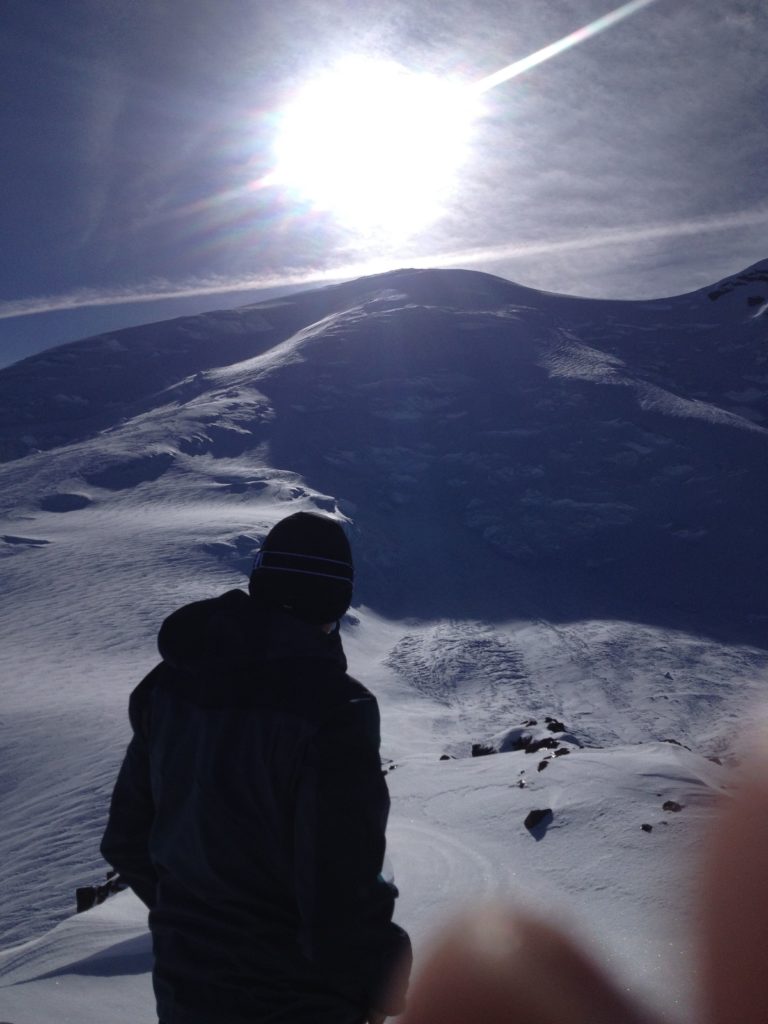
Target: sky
x,y
143,171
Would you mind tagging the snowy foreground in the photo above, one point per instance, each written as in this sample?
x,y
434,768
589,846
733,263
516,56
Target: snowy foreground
x,y
510,530
457,838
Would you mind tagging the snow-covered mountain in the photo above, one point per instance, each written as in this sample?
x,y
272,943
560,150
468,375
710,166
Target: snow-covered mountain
x,y
506,452
557,508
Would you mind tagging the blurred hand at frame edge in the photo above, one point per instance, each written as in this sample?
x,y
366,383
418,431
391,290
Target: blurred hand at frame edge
x,y
498,966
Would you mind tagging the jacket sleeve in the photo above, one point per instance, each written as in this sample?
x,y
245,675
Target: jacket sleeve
x,y
125,844
345,905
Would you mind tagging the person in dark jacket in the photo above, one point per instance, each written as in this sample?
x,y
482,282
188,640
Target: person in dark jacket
x,y
250,810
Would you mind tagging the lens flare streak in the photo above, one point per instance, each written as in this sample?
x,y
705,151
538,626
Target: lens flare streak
x,y
573,39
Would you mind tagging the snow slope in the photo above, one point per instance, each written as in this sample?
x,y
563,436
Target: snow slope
x,y
556,507
457,836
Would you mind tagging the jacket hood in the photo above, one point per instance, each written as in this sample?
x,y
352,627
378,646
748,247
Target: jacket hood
x,y
232,632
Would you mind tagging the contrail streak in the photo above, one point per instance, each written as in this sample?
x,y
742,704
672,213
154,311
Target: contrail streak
x,y
573,39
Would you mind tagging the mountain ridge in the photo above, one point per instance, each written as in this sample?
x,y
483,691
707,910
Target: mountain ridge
x,y
68,379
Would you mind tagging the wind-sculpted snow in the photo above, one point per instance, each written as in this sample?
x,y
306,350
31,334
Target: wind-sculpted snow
x,y
612,682
557,510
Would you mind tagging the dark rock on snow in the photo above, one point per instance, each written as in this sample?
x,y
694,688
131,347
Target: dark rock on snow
x,y
538,821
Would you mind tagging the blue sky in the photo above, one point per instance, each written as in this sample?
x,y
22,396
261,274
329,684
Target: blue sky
x,y
631,165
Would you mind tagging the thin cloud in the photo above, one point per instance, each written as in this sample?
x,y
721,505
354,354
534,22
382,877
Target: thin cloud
x,y
159,290
614,236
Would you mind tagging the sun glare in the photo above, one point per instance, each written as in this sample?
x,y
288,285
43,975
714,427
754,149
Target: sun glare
x,y
376,145
380,147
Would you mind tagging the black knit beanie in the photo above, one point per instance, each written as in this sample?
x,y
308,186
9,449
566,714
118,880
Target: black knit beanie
x,y
305,565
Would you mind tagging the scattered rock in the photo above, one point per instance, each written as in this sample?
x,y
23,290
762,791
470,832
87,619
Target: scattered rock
x,y
537,822
533,739
531,746
547,743
667,675
529,722
446,757
554,726
672,805
562,751
482,749
647,828
542,765
677,743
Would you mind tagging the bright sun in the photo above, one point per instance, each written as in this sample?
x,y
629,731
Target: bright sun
x,y
376,145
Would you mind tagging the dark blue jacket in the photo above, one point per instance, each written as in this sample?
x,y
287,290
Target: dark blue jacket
x,y
249,815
